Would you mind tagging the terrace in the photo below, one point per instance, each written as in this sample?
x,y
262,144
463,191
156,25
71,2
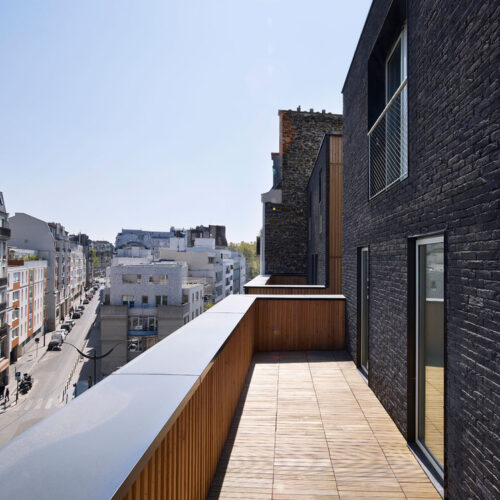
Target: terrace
x,y
253,399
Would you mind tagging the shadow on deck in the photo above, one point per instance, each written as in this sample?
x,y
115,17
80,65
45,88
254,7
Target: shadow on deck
x,y
307,425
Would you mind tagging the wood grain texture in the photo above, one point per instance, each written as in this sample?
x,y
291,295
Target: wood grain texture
x,y
285,290
308,426
335,217
183,465
287,280
292,325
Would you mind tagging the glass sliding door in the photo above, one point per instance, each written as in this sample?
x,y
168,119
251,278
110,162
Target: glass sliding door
x,y
364,301
430,349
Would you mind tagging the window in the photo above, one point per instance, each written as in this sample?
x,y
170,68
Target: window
x,y
14,333
128,300
211,260
17,277
131,278
144,299
388,135
161,300
159,279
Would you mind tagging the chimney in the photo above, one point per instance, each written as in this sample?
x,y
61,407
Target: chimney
x,y
298,109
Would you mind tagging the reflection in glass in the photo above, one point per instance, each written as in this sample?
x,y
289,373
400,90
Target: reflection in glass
x,y
431,349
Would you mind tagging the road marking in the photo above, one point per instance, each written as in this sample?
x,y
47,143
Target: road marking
x,y
49,403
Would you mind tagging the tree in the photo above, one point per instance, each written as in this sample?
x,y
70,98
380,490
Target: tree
x,y
249,251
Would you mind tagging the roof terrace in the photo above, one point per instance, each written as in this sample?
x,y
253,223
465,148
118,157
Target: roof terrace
x,y
253,399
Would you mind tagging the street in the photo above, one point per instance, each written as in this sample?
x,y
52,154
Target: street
x,y
54,373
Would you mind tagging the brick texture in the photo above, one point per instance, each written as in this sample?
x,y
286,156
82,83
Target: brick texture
x,y
285,226
453,187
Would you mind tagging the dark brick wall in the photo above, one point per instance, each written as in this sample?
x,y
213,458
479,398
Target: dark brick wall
x,y
453,186
285,227
318,239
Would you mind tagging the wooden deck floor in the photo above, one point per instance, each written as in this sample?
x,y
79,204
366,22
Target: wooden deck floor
x,y
308,426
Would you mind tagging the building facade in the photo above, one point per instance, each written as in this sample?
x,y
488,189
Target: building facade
x,y
147,302
101,254
284,234
324,216
51,242
4,330
78,272
421,226
27,292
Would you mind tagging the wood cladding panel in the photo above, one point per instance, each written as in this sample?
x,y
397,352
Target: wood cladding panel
x,y
296,325
287,280
273,290
335,216
183,464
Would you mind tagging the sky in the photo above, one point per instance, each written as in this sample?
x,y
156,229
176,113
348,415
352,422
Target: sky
x,y
150,114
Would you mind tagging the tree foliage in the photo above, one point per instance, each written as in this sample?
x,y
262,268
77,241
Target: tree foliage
x,y
249,251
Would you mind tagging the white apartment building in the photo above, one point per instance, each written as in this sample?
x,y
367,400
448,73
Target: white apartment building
x,y
27,286
203,263
146,302
51,242
78,271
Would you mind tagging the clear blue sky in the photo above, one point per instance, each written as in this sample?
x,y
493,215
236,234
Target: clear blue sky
x,y
147,114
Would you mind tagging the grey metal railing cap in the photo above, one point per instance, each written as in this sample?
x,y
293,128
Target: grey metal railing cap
x,y
187,351
233,304
88,448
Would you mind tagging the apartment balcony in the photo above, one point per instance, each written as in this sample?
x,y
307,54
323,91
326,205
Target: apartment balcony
x,y
3,306
3,282
253,399
4,232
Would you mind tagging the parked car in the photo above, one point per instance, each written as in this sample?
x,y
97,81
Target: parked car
x,y
96,288
56,340
76,315
66,326
85,301
80,309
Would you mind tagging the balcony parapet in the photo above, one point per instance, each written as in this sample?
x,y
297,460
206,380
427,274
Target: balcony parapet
x,y
160,422
279,285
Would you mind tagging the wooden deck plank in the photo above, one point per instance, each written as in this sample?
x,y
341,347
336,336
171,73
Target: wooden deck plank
x,y
308,426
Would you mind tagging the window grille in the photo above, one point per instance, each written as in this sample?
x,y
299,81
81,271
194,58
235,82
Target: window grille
x,y
388,137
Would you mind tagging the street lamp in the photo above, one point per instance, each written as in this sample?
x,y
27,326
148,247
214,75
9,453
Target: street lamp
x,y
94,357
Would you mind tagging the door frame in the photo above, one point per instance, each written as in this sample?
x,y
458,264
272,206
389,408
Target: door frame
x,y
419,242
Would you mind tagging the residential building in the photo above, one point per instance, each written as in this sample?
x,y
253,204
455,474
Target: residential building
x,y
283,246
147,302
85,242
27,292
4,333
51,242
421,229
218,233
78,272
264,384
101,254
324,216
239,272
203,263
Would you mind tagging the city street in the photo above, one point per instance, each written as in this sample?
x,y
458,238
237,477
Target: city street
x,y
54,373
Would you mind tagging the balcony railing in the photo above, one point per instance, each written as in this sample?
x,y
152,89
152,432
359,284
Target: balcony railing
x,y
156,427
389,144
5,231
3,281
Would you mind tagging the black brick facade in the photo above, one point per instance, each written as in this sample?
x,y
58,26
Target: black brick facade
x,y
453,187
317,222
285,225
